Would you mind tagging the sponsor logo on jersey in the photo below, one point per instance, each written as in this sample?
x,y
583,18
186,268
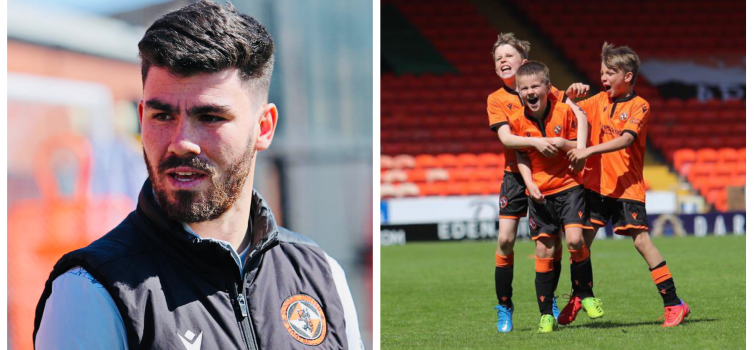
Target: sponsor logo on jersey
x,y
634,215
558,129
190,340
624,116
304,319
644,109
581,214
510,106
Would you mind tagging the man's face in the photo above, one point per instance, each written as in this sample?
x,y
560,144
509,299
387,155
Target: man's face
x,y
200,136
615,82
533,90
507,61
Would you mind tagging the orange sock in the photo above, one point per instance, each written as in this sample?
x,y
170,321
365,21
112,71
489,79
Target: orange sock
x,y
503,260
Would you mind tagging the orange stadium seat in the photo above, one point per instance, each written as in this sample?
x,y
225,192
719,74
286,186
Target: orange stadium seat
x,y
386,162
416,175
489,160
467,160
460,175
706,156
404,161
407,190
683,159
446,160
424,161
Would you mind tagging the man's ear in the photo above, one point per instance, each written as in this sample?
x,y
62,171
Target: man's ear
x,y
140,108
267,123
524,61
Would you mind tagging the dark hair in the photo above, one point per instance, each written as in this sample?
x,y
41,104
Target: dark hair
x,y
534,68
207,38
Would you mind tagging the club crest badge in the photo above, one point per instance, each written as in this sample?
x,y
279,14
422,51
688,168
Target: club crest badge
x,y
558,129
624,116
503,202
532,224
304,319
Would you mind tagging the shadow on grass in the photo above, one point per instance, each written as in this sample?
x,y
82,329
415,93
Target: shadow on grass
x,y
609,324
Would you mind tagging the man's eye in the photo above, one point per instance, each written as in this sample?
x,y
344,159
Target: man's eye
x,y
211,118
161,116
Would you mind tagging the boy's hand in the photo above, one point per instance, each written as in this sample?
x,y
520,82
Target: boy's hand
x,y
577,166
545,147
578,156
577,90
535,194
558,142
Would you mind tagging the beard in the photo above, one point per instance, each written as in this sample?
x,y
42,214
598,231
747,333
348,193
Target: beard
x,y
191,206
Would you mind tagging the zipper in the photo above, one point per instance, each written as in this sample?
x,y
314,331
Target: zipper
x,y
243,316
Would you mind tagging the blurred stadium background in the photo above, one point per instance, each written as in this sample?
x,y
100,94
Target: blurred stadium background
x,y
75,163
441,166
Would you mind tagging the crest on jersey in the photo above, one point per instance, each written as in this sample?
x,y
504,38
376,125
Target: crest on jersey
x,y
532,223
503,202
624,116
510,106
304,319
558,129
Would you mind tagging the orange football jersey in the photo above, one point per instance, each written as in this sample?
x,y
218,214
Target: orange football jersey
x,y
617,174
551,174
502,104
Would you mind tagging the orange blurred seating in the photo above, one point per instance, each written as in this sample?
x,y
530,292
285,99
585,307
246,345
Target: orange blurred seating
x,y
683,159
424,161
489,160
467,160
728,155
386,162
706,156
447,160
404,161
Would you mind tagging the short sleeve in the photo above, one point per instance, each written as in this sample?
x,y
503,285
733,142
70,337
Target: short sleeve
x,y
637,119
556,95
80,314
496,113
572,125
590,107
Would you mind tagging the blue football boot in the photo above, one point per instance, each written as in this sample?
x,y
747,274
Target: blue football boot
x,y
555,310
504,319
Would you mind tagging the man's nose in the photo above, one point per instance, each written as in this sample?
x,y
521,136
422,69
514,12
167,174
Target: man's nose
x,y
185,139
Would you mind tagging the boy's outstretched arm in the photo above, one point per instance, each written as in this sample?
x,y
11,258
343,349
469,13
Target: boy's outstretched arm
x,y
518,142
622,142
525,170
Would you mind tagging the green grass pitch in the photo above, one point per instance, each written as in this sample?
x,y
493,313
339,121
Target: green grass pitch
x,y
441,296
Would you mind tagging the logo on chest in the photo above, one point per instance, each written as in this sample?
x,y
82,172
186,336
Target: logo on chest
x,y
304,319
624,116
557,129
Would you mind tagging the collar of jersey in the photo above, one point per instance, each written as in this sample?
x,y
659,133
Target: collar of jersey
x,y
625,99
546,115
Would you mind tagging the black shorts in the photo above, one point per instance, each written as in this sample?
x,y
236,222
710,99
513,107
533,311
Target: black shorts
x,y
625,214
561,210
513,198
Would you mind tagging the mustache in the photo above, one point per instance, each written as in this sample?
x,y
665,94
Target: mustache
x,y
194,162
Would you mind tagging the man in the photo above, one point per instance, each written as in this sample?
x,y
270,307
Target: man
x,y
201,262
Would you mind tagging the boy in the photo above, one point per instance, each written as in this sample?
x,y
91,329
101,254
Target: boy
x,y
509,53
615,165
556,197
